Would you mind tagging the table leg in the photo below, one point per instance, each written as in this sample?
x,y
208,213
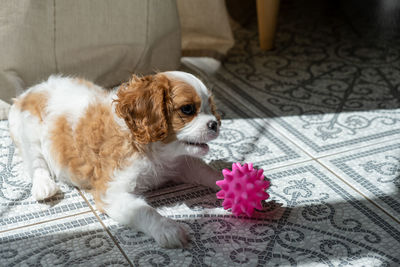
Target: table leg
x,y
267,13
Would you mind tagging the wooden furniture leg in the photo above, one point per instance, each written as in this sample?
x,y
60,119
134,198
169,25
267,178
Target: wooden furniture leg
x,y
267,13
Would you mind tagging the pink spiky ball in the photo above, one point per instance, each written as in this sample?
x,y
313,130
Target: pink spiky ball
x,y
243,189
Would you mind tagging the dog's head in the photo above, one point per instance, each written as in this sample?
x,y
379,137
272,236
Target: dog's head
x,y
169,107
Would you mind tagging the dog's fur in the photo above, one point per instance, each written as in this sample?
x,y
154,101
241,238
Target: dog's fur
x,y
118,143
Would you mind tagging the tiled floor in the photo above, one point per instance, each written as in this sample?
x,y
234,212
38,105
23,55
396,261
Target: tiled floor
x,y
320,114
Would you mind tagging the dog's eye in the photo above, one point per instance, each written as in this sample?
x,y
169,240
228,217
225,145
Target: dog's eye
x,y
188,109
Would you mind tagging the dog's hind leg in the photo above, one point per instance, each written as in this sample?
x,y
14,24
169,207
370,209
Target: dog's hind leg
x,y
25,130
43,185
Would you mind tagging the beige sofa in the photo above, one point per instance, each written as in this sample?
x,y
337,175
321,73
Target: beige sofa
x,y
101,40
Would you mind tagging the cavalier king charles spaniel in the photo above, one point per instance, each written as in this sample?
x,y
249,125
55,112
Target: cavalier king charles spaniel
x,y
118,143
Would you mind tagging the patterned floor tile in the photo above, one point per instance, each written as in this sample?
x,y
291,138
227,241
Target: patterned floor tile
x,y
330,133
374,171
312,219
326,218
324,86
72,241
89,197
17,206
253,140
317,130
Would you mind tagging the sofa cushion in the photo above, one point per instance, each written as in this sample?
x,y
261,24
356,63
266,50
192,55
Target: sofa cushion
x,y
104,41
206,31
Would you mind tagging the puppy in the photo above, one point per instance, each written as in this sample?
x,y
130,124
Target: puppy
x,y
118,143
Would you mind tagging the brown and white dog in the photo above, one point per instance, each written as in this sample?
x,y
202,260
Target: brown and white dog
x,y
118,143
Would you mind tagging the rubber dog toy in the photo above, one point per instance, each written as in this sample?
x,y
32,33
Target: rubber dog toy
x,y
243,189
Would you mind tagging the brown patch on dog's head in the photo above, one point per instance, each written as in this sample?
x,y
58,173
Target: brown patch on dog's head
x,y
152,107
33,102
183,95
144,103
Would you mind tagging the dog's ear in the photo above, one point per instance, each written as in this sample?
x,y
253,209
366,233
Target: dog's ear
x,y
142,103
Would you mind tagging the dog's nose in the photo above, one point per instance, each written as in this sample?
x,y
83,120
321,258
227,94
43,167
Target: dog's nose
x,y
212,125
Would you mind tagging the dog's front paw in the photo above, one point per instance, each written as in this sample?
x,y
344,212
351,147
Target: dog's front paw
x,y
170,234
43,188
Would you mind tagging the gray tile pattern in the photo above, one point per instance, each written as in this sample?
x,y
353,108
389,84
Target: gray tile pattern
x,y
312,218
253,140
318,131
76,241
375,171
327,89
